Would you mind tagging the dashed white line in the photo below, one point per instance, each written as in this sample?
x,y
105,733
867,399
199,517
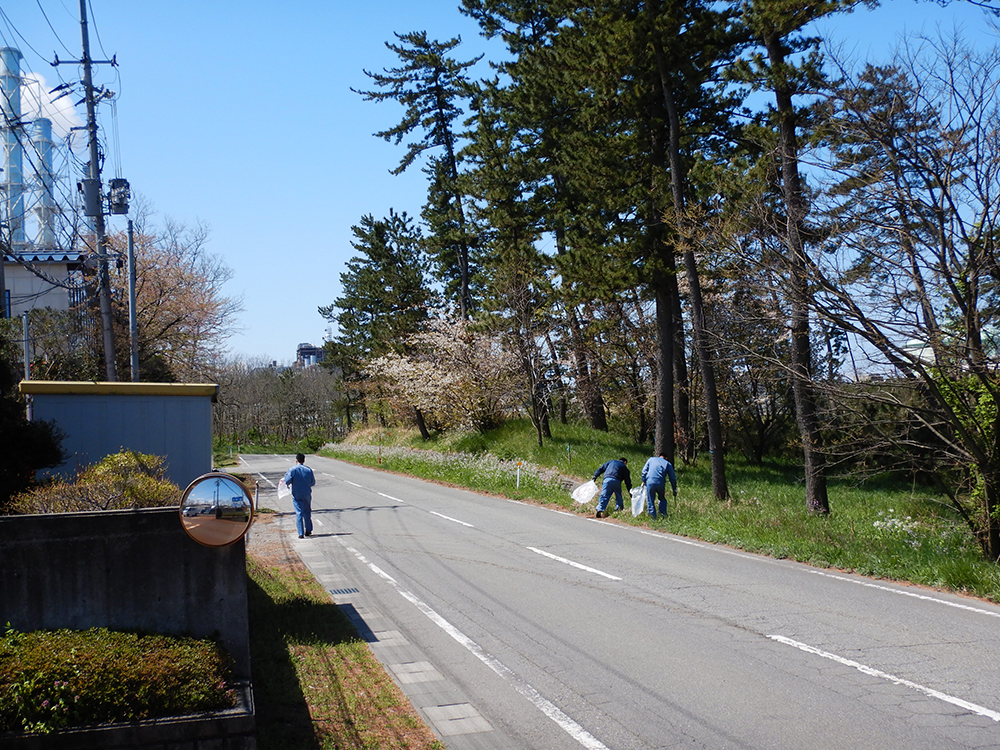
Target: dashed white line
x,y
575,564
574,730
394,499
449,518
891,678
353,484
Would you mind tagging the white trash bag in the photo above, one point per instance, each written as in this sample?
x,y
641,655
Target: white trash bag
x,y
585,493
639,496
283,490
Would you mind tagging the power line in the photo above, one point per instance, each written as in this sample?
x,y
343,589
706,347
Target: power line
x,y
54,32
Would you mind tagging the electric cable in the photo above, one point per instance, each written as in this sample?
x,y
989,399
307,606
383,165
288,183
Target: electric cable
x,y
54,32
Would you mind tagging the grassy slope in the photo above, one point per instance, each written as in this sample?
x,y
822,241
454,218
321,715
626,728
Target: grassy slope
x,y
883,530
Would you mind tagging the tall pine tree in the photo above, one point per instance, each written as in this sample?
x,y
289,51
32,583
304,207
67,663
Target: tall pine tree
x,y
432,86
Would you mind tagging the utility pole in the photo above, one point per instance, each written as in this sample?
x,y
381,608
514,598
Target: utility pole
x,y
133,325
92,189
93,199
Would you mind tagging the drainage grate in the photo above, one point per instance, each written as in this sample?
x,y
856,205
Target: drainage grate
x,y
341,592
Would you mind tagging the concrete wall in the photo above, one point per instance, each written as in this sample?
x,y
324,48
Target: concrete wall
x,y
99,419
124,570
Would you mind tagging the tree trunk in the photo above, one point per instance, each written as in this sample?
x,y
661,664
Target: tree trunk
x,y
590,392
803,390
559,377
664,441
698,327
421,425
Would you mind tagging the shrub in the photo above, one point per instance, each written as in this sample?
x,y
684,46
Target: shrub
x,y
124,480
52,679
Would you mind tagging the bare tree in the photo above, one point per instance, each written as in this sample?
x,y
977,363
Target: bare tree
x,y
912,270
184,319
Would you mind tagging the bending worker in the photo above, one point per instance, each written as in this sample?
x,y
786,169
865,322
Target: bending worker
x,y
615,473
654,475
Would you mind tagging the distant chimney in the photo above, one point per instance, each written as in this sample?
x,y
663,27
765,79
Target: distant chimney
x,y
45,181
13,176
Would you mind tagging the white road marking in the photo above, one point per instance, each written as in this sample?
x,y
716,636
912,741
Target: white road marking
x,y
915,595
449,518
891,678
353,484
266,479
394,499
574,730
575,564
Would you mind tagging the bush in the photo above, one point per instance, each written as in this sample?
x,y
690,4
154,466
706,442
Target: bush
x,y
124,480
53,679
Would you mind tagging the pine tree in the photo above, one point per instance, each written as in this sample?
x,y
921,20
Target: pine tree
x,y
431,86
788,65
385,297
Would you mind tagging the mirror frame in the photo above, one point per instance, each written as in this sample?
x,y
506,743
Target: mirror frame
x,y
193,531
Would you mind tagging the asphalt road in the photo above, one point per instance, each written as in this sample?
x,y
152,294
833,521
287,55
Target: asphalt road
x,y
514,626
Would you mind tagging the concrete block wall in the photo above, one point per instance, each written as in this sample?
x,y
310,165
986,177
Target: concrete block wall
x,y
124,570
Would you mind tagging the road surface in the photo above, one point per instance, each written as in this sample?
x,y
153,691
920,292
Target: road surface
x,y
514,626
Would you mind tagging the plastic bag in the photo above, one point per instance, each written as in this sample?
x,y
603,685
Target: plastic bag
x,y
586,492
283,490
639,496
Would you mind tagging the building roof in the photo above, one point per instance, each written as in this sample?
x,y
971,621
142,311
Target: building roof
x,y
52,256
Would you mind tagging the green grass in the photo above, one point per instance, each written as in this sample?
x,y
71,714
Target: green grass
x,y
879,529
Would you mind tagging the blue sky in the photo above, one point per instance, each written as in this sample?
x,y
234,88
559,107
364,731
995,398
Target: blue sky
x,y
239,115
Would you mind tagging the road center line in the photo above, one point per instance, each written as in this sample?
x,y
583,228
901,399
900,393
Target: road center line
x,y
574,730
353,484
449,518
394,499
574,564
891,678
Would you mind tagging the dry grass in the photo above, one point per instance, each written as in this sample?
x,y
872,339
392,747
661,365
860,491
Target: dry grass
x,y
317,684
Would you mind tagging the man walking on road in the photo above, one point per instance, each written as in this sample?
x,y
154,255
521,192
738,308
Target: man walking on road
x,y
615,472
300,480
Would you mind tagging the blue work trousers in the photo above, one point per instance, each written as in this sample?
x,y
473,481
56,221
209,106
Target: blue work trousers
x,y
610,487
303,515
654,491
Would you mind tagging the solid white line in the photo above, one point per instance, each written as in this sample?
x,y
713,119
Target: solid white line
x,y
564,722
394,499
575,564
923,597
449,518
891,678
266,479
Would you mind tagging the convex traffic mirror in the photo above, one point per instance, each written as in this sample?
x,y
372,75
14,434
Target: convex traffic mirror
x,y
216,509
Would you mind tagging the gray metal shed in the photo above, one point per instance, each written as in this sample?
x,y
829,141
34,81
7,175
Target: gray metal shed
x,y
173,420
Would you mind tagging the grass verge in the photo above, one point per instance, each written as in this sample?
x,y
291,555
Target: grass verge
x,y
317,685
881,529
